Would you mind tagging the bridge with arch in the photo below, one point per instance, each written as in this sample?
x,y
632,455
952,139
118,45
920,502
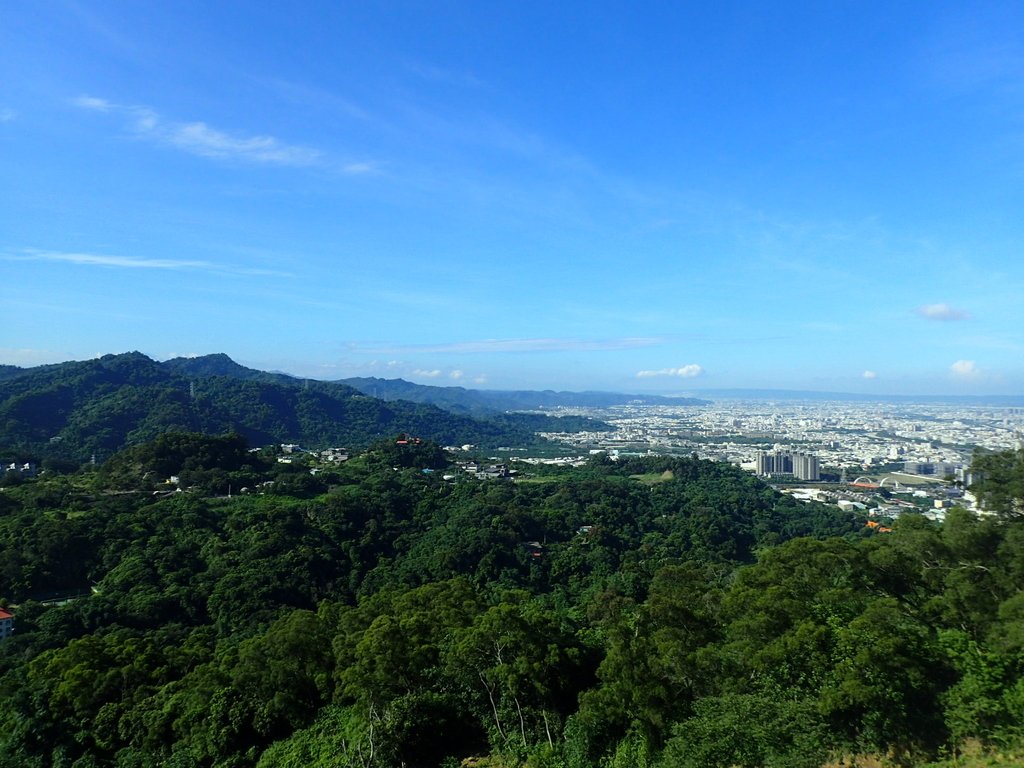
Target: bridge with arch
x,y
866,482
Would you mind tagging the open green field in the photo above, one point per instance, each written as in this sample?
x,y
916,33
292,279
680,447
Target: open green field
x,y
653,478
539,480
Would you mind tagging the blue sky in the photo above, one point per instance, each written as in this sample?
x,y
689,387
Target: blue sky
x,y
660,197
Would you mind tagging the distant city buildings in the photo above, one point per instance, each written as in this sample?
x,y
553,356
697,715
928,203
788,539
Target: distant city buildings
x,y
907,449
802,466
806,467
841,435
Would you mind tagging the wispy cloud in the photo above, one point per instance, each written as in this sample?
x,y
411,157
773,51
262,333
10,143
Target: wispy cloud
x,y
135,262
965,369
520,345
456,374
869,375
7,115
685,372
942,313
431,374
92,102
200,139
127,262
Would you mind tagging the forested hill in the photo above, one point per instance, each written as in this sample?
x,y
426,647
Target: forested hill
x,y
649,613
76,409
9,371
219,626
221,365
464,400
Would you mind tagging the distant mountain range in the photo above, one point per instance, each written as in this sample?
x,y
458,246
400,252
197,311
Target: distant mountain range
x,y
78,409
479,401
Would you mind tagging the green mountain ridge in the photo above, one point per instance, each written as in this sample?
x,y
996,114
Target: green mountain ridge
x,y
78,409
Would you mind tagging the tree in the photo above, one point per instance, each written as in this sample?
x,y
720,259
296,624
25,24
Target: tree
x,y
522,668
1001,488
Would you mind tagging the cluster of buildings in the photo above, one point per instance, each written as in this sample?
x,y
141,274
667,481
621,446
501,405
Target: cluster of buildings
x,y
900,454
800,466
857,437
482,471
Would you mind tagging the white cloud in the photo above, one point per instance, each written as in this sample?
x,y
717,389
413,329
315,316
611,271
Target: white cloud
x,y
91,102
942,312
427,374
198,138
201,139
129,262
7,115
481,379
686,372
966,369
134,262
869,375
456,374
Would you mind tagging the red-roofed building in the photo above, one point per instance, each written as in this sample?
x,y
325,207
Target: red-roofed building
x,y
6,624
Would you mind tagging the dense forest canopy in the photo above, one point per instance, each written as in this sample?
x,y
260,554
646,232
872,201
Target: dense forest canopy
x,y
646,612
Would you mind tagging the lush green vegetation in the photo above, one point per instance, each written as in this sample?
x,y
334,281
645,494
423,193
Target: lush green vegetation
x,y
377,615
73,411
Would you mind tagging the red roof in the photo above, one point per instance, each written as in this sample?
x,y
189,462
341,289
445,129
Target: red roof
x,y
5,615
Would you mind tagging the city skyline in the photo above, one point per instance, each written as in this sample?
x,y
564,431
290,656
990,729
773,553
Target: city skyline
x,y
582,197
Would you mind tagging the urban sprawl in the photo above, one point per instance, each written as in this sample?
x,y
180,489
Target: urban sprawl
x,y
879,458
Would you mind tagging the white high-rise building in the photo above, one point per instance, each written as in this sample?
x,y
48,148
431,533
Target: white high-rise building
x,y
802,466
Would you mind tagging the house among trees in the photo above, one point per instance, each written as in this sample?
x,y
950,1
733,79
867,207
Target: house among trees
x,y
6,624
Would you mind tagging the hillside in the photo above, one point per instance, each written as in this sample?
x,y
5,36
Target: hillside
x,y
368,617
494,407
76,409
